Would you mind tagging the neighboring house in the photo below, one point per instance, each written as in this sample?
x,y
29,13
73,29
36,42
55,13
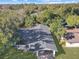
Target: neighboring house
x,y
37,39
72,38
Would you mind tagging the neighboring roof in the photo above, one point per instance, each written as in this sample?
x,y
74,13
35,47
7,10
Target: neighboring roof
x,y
38,34
75,33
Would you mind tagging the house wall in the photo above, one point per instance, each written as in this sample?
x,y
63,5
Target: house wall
x,y
54,53
72,44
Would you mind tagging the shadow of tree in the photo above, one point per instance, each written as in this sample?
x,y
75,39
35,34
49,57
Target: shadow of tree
x,y
59,47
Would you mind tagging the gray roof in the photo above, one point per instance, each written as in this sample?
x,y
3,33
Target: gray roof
x,y
39,34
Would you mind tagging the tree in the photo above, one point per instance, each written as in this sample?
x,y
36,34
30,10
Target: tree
x,y
68,10
76,11
60,33
57,28
71,20
29,21
9,23
55,25
77,20
46,16
3,38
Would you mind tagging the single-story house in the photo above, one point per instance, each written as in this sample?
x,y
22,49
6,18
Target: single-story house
x,y
72,38
37,39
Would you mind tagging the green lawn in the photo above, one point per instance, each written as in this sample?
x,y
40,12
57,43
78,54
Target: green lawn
x,y
70,53
16,54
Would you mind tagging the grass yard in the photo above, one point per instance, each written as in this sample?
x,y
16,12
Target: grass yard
x,y
16,54
70,53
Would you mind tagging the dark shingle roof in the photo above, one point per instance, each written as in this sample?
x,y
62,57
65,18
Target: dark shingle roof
x,y
38,34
